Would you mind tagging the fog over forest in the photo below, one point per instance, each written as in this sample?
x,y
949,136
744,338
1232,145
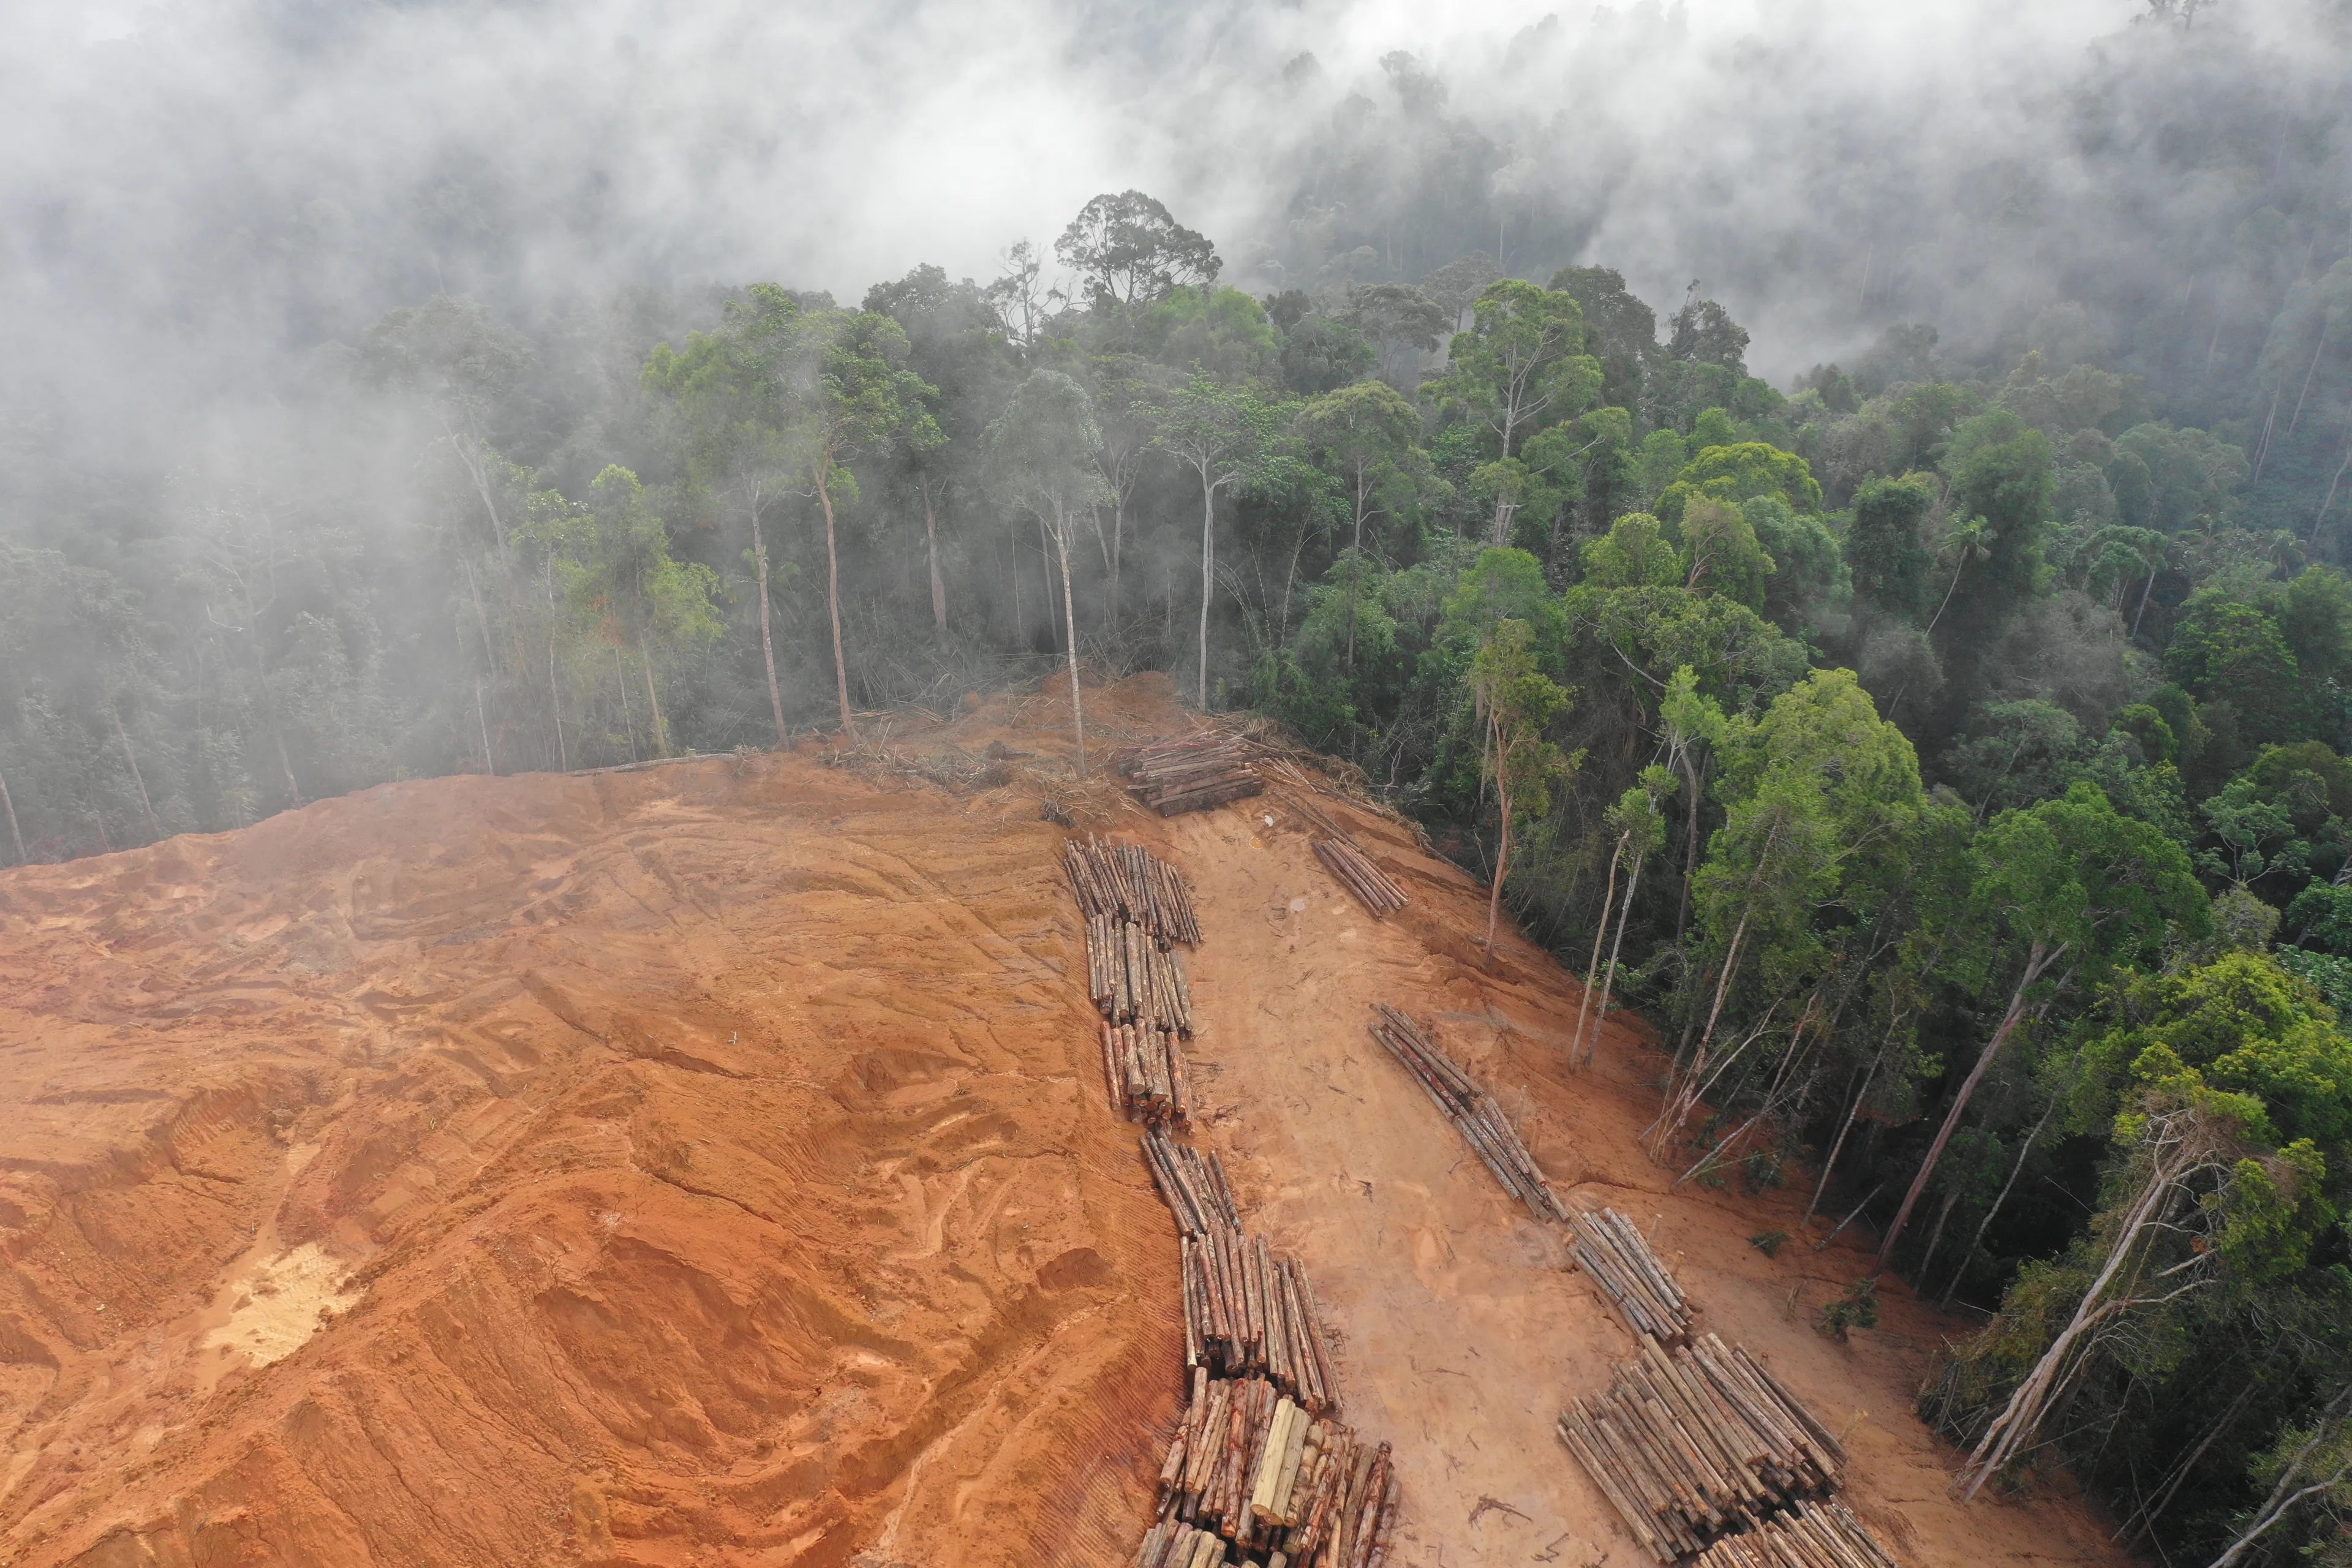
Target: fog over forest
x,y
1840,509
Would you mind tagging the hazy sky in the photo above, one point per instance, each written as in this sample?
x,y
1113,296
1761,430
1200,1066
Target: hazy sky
x,y
270,171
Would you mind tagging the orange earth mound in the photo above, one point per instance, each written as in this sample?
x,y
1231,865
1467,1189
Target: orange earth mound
x,y
709,1164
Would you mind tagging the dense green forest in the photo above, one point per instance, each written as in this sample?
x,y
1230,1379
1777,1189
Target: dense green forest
x,y
1945,747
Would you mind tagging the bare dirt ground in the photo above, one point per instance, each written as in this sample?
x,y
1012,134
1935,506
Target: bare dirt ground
x,y
709,1165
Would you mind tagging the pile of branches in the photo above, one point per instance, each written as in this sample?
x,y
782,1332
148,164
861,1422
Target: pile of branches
x,y
1250,1468
1810,1535
1249,1312
1615,1254
1699,1444
1470,1107
1190,775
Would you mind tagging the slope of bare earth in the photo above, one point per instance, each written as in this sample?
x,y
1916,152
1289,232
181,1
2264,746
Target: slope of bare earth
x,y
709,1164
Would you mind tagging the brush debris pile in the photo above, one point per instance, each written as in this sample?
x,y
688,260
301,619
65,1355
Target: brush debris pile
x,y
1192,774
1469,1107
1615,1254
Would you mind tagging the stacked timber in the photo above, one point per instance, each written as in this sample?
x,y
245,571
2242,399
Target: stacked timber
x,y
1190,774
1810,1535
1248,1311
1135,980
1372,887
1613,1252
1193,1185
1696,1444
1145,1070
1128,882
1253,1468
1470,1107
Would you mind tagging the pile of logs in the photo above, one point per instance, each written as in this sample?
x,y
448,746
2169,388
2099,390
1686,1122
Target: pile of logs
x,y
1190,774
1613,1252
1128,882
1470,1107
1250,1466
1146,1073
1247,1311
1135,980
1810,1535
1193,1185
1371,886
1697,1443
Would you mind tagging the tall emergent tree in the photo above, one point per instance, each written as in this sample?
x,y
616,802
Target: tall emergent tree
x,y
850,391
1362,436
1041,453
1517,703
724,394
1518,368
1226,436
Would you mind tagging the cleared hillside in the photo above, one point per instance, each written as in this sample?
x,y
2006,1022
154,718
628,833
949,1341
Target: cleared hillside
x,y
711,1164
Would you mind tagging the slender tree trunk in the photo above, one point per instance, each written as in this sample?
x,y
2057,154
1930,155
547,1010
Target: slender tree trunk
x,y
2321,516
2316,351
2038,958
1355,565
832,602
1118,552
2023,1152
2145,1519
482,719
1208,566
1935,1237
1502,858
653,701
1600,932
767,631
2274,1508
138,778
1690,841
2148,588
1069,615
1608,978
555,693
286,763
939,593
1045,560
621,685
1853,1111
15,836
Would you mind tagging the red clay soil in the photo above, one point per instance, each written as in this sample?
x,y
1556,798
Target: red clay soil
x,y
709,1164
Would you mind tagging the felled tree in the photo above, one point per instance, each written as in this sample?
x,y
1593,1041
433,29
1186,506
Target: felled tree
x,y
1041,456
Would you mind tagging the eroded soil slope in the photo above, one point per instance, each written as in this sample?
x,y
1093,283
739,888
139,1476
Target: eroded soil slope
x,y
710,1164
680,1166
